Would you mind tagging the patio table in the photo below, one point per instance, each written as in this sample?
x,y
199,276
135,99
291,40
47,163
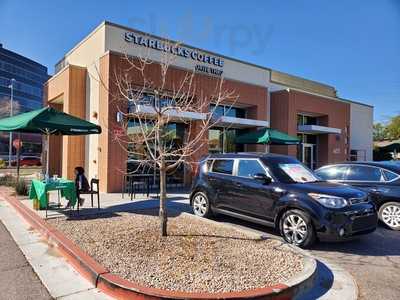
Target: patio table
x,y
40,188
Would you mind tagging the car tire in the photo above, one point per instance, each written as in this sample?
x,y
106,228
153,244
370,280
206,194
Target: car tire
x,y
389,214
201,205
296,228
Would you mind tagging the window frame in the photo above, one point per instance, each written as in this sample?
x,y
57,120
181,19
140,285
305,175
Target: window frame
x,y
383,170
259,162
213,162
236,167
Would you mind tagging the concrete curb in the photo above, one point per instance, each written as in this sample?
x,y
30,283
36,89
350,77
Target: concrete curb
x,y
120,288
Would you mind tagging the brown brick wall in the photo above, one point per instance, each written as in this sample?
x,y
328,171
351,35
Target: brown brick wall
x,y
112,157
285,105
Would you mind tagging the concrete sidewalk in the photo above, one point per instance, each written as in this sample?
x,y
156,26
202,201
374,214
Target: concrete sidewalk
x,y
17,280
52,270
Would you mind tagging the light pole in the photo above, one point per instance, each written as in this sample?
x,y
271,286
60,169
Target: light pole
x,y
11,86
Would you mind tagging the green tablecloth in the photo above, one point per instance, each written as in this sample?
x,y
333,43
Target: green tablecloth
x,y
39,190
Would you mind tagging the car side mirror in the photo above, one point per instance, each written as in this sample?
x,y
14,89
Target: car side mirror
x,y
262,177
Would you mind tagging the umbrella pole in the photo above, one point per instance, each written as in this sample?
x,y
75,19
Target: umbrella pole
x,y
47,155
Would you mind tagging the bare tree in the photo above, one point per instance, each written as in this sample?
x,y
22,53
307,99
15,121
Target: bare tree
x,y
153,102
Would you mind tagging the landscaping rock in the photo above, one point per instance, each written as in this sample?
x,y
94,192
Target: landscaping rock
x,y
197,256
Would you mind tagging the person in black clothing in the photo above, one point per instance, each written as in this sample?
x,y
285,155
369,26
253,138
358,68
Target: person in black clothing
x,y
81,183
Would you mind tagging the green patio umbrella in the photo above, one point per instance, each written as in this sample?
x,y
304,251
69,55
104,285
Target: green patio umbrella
x,y
267,136
48,121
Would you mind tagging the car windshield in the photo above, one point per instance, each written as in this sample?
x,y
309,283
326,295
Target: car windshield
x,y
298,173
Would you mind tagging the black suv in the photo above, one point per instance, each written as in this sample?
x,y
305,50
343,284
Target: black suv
x,y
380,179
279,191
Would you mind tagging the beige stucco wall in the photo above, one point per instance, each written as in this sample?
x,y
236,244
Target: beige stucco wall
x,y
361,128
87,54
232,69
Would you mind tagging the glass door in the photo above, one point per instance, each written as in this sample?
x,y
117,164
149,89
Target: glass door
x,y
308,155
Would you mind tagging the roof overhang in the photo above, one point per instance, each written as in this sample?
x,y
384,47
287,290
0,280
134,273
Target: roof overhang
x,y
147,110
239,123
316,129
224,121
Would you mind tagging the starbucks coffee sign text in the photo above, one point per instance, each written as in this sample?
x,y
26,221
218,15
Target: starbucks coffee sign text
x,y
178,50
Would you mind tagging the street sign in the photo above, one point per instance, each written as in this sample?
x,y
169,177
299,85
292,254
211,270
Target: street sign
x,y
17,144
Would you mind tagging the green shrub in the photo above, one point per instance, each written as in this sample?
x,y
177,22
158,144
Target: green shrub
x,y
2,163
7,180
21,188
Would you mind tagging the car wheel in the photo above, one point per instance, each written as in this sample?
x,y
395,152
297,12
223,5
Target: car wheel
x,y
389,214
296,228
201,205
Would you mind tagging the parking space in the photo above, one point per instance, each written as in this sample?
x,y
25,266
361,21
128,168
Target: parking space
x,y
373,260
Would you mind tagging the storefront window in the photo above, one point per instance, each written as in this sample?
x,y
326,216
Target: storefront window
x,y
230,145
222,140
173,137
215,141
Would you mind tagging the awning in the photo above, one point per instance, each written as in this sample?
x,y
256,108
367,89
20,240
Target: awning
x,y
267,136
240,123
316,129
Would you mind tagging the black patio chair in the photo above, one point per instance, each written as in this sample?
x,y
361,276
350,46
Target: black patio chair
x,y
93,191
139,184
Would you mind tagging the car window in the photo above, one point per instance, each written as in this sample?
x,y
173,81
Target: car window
x,y
332,173
250,167
298,172
364,173
224,166
389,176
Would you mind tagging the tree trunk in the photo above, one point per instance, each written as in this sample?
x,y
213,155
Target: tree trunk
x,y
163,193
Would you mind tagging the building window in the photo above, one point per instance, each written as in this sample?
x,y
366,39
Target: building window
x,y
215,141
222,140
229,111
22,87
148,99
306,120
174,134
13,69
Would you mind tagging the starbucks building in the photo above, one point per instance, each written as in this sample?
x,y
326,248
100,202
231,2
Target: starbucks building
x,y
331,129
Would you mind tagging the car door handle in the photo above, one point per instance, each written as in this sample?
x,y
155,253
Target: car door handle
x,y
238,184
278,190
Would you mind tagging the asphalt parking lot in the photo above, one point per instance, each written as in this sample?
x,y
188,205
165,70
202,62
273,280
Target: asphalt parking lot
x,y
373,260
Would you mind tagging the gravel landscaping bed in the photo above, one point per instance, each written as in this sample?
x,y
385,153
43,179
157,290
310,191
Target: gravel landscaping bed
x,y
197,256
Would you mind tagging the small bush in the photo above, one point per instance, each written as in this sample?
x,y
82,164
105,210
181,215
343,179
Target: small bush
x,y
7,180
21,188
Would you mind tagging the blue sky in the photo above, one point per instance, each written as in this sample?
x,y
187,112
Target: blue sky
x,y
353,45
